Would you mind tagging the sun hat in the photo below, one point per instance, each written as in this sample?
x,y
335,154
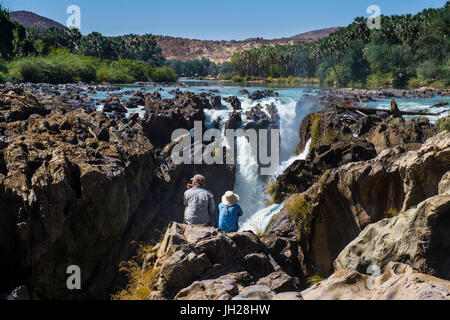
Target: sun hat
x,y
230,198
199,180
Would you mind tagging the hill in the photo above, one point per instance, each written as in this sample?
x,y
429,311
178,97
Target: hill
x,y
222,51
30,19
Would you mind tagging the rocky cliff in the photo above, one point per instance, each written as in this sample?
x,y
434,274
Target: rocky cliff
x,y
77,187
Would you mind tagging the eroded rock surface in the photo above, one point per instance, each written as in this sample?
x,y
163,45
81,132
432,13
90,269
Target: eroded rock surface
x,y
346,200
195,262
418,237
398,282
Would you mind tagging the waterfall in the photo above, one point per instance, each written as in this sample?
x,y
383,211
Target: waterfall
x,y
249,184
259,221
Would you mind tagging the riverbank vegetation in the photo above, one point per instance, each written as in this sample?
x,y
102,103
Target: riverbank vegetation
x,y
64,55
199,68
408,50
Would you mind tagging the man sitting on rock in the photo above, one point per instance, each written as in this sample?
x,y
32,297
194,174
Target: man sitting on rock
x,y
199,202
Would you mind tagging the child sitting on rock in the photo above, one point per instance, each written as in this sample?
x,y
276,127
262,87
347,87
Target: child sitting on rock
x,y
229,213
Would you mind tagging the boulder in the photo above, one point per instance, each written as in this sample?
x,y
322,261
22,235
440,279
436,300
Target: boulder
x,y
17,104
418,237
223,288
398,282
235,102
216,102
279,281
113,104
164,116
256,292
234,122
444,184
261,94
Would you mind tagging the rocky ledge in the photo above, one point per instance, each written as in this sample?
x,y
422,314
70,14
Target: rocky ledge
x,y
203,263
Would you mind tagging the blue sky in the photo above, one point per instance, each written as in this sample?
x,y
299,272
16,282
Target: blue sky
x,y
215,19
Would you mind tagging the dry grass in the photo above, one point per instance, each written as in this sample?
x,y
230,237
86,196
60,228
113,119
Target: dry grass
x,y
300,211
315,131
140,282
391,213
315,279
443,124
271,188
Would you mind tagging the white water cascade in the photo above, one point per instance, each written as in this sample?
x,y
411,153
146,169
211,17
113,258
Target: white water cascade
x,y
249,184
259,221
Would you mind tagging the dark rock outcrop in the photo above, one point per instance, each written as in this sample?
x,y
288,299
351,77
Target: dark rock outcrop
x,y
69,185
302,174
200,263
113,104
382,132
234,101
216,102
261,94
234,122
18,105
163,116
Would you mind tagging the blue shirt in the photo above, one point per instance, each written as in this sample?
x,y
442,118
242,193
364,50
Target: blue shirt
x,y
228,220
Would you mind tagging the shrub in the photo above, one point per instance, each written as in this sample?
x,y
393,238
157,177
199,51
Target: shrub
x,y
3,71
141,282
300,211
443,124
139,70
114,73
379,80
163,74
315,131
429,70
237,78
392,213
58,67
415,83
271,189
315,279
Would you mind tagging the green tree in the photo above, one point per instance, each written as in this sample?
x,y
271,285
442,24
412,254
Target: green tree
x,y
8,34
354,62
96,45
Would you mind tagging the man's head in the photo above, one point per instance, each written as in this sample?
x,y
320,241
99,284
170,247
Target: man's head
x,y
199,181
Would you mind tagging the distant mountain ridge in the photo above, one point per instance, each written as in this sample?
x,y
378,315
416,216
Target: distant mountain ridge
x,y
222,51
188,49
30,19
